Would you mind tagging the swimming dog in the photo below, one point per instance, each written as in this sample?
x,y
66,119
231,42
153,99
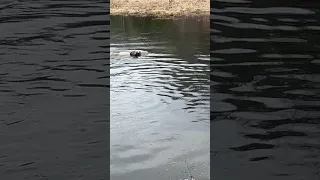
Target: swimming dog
x,y
135,53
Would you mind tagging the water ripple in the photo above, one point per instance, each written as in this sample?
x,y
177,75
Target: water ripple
x,y
265,89
159,102
53,74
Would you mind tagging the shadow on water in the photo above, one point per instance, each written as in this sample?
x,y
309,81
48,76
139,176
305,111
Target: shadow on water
x,y
265,90
160,102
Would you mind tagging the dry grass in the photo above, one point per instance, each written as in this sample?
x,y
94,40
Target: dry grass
x,y
160,8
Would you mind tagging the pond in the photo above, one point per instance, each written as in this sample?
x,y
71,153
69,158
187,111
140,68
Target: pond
x,y
160,109
265,88
54,79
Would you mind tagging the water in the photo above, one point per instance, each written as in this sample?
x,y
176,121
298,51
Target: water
x,y
160,102
53,90
265,90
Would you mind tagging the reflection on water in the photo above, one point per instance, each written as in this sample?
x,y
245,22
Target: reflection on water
x,y
265,90
160,102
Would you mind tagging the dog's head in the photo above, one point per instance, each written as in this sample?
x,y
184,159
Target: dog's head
x,y
135,53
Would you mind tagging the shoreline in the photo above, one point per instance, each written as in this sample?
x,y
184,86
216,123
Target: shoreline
x,y
160,8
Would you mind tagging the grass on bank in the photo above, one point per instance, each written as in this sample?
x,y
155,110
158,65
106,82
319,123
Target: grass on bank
x,y
160,8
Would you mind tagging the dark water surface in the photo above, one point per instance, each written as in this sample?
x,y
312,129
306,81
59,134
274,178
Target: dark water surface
x,y
53,90
265,90
160,102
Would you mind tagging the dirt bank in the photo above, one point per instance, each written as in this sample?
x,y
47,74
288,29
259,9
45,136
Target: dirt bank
x,y
160,8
